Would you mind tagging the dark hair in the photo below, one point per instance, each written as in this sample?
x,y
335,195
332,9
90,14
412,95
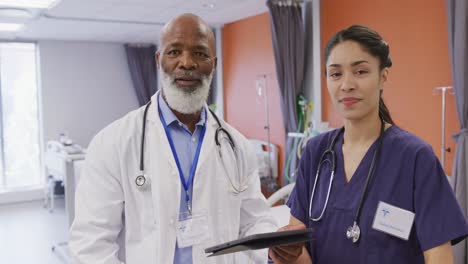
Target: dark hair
x,y
373,43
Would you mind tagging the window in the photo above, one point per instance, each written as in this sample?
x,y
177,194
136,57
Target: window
x,y
19,117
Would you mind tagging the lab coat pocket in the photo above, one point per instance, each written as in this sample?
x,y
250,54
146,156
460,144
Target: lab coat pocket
x,y
148,217
141,229
229,210
143,251
230,200
140,213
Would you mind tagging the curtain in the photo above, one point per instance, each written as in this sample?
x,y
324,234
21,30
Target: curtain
x,y
288,37
142,65
457,12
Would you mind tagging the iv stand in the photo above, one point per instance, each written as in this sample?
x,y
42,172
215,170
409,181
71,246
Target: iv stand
x,y
267,127
262,83
443,149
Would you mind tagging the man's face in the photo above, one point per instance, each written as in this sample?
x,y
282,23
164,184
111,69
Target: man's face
x,y
186,62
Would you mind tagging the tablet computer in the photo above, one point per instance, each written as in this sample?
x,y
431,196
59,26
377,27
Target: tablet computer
x,y
259,241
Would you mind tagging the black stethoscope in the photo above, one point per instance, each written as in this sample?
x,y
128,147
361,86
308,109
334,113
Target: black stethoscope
x,y
353,232
142,181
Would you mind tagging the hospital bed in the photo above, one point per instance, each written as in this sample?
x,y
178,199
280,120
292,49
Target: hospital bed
x,y
63,163
267,158
281,213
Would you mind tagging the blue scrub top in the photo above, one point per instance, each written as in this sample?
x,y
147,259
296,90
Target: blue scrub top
x,y
408,175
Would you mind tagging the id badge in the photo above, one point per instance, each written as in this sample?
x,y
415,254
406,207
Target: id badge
x,y
393,220
191,229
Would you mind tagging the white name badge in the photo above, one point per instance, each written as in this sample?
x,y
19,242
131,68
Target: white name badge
x,y
393,220
191,230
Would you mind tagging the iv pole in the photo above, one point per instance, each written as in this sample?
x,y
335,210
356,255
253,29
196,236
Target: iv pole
x,y
262,84
443,149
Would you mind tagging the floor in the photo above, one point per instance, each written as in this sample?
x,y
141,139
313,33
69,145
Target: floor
x,y
28,231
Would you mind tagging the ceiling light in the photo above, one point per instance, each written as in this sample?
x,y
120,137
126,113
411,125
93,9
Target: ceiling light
x,y
40,4
14,13
10,27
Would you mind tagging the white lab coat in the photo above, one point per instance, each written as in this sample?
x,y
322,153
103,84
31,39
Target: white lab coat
x,y
109,204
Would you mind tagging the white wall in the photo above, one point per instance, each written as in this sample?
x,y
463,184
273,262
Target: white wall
x,y
85,86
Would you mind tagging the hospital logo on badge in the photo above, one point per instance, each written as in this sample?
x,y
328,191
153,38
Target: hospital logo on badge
x,y
385,212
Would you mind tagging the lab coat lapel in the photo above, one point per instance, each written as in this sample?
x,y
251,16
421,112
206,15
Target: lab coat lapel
x,y
160,145
165,182
206,153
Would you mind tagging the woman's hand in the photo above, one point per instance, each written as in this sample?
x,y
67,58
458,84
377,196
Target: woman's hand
x,y
288,253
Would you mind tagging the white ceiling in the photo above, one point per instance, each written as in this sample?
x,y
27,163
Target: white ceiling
x,y
127,21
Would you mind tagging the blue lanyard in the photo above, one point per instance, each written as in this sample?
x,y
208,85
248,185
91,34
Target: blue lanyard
x,y
193,168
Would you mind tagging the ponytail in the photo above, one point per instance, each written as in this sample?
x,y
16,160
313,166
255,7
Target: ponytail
x,y
384,114
371,42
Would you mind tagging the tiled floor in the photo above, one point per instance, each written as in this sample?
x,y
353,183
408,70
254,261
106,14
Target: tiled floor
x,y
28,232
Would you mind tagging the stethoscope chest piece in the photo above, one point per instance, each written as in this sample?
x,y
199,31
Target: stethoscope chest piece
x,y
142,182
353,232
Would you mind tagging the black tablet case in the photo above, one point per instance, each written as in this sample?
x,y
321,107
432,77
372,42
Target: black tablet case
x,y
259,241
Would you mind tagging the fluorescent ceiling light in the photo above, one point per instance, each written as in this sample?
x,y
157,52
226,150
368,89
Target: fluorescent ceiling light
x,y
10,27
41,4
15,13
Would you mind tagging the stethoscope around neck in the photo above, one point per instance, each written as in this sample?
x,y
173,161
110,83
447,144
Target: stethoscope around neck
x,y
353,232
142,181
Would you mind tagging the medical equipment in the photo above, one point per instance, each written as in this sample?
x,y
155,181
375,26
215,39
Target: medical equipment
x,y
303,107
220,129
235,189
443,149
142,181
267,158
353,232
281,194
261,85
57,157
62,164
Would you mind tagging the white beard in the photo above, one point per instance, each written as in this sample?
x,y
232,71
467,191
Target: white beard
x,y
181,100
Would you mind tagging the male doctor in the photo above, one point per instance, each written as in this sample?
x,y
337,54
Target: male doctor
x,y
186,197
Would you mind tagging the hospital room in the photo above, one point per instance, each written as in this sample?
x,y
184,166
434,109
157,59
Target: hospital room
x,y
213,131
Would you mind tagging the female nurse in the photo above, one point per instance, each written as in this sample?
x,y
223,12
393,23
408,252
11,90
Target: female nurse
x,y
372,192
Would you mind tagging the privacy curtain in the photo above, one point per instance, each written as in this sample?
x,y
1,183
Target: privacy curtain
x,y
142,65
288,37
457,12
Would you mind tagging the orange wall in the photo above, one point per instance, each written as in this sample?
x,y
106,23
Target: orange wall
x,y
416,31
247,54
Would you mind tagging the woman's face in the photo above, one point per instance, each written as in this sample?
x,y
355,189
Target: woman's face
x,y
354,80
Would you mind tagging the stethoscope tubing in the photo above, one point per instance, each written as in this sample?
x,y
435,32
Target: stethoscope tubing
x,y
219,130
369,177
